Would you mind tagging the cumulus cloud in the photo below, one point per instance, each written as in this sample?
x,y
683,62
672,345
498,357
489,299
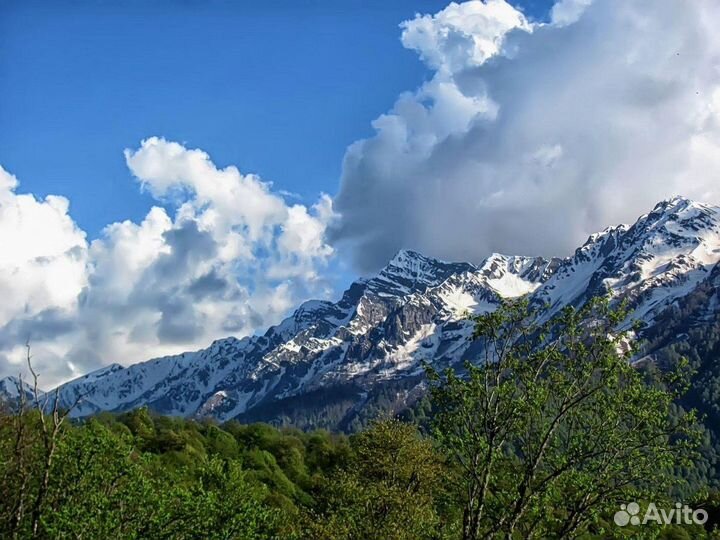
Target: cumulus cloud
x,y
230,258
44,253
529,137
462,34
42,271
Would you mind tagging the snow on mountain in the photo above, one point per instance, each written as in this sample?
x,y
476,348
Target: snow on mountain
x,y
414,310
515,276
10,390
661,257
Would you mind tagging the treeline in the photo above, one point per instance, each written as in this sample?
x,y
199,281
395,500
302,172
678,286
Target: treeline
x,y
545,438
142,476
139,476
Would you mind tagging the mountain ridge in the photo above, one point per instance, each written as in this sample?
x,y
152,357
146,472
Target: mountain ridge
x,y
374,339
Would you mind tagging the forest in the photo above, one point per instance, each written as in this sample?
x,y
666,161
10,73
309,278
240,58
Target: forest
x,y
545,437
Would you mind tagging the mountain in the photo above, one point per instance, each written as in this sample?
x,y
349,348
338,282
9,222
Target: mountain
x,y
333,364
10,390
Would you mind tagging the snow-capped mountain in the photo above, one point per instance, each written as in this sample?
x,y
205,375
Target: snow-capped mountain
x,y
652,263
12,388
329,362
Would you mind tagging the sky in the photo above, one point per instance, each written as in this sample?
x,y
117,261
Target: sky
x,y
279,89
176,172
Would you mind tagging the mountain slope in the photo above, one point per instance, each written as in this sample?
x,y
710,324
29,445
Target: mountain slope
x,y
660,258
330,363
12,388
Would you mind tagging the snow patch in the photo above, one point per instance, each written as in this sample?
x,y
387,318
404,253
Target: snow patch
x,y
512,286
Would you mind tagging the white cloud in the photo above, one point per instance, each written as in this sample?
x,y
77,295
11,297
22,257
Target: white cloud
x,y
231,259
168,168
527,139
43,253
566,12
462,35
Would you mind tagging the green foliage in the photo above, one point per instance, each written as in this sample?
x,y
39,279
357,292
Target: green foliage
x,y
97,487
555,428
390,489
103,486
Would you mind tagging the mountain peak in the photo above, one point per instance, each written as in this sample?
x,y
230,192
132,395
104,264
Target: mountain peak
x,y
409,271
405,257
682,210
680,216
674,202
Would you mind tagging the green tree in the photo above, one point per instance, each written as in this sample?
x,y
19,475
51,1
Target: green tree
x,y
220,505
554,428
98,488
388,489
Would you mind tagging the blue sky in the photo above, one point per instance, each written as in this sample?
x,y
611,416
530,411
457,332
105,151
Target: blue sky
x,y
279,89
